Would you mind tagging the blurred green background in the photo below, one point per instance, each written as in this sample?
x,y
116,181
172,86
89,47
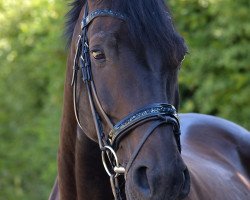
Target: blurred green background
x,y
215,79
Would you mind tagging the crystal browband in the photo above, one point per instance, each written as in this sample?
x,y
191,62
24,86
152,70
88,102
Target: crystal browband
x,y
151,111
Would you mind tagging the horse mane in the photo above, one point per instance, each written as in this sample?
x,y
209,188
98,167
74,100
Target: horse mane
x,y
149,23
71,18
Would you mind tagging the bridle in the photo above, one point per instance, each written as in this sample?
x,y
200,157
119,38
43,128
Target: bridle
x,y
160,113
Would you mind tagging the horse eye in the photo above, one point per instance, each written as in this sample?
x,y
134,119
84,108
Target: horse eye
x,y
98,55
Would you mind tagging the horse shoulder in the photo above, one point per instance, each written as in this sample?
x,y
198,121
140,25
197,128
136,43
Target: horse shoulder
x,y
217,153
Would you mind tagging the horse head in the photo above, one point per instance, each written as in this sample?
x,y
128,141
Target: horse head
x,y
126,56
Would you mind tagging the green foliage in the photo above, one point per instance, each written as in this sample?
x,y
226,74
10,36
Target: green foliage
x,y
32,65
214,79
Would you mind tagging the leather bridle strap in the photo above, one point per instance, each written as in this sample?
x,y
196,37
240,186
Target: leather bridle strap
x,y
150,112
101,13
82,56
159,112
150,130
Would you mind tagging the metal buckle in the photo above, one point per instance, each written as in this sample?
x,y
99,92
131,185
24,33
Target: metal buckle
x,y
117,168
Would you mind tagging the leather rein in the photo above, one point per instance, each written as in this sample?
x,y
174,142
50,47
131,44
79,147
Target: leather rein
x,y
160,113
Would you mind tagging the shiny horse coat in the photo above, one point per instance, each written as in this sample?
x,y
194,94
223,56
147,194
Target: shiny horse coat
x,y
134,63
217,153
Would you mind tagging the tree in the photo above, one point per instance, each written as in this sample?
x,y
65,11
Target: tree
x,y
214,79
215,76
32,66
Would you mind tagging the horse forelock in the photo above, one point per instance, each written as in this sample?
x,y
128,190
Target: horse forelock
x,y
72,17
149,24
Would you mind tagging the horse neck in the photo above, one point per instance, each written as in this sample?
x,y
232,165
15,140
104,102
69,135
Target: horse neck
x,y
66,158
79,161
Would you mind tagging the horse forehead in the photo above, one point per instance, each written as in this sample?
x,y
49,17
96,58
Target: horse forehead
x,y
104,28
106,24
98,35
101,36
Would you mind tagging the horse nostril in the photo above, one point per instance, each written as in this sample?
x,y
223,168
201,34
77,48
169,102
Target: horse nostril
x,y
186,184
141,180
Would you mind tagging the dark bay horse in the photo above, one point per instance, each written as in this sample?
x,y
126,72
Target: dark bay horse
x,y
120,100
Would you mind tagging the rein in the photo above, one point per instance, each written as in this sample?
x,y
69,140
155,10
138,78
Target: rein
x,y
160,113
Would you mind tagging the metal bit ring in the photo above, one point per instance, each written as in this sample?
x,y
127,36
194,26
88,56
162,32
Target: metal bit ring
x,y
117,169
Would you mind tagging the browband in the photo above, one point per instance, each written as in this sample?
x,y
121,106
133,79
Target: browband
x,y
149,112
101,13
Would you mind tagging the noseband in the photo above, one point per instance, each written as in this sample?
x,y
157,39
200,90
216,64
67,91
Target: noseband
x,y
160,113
